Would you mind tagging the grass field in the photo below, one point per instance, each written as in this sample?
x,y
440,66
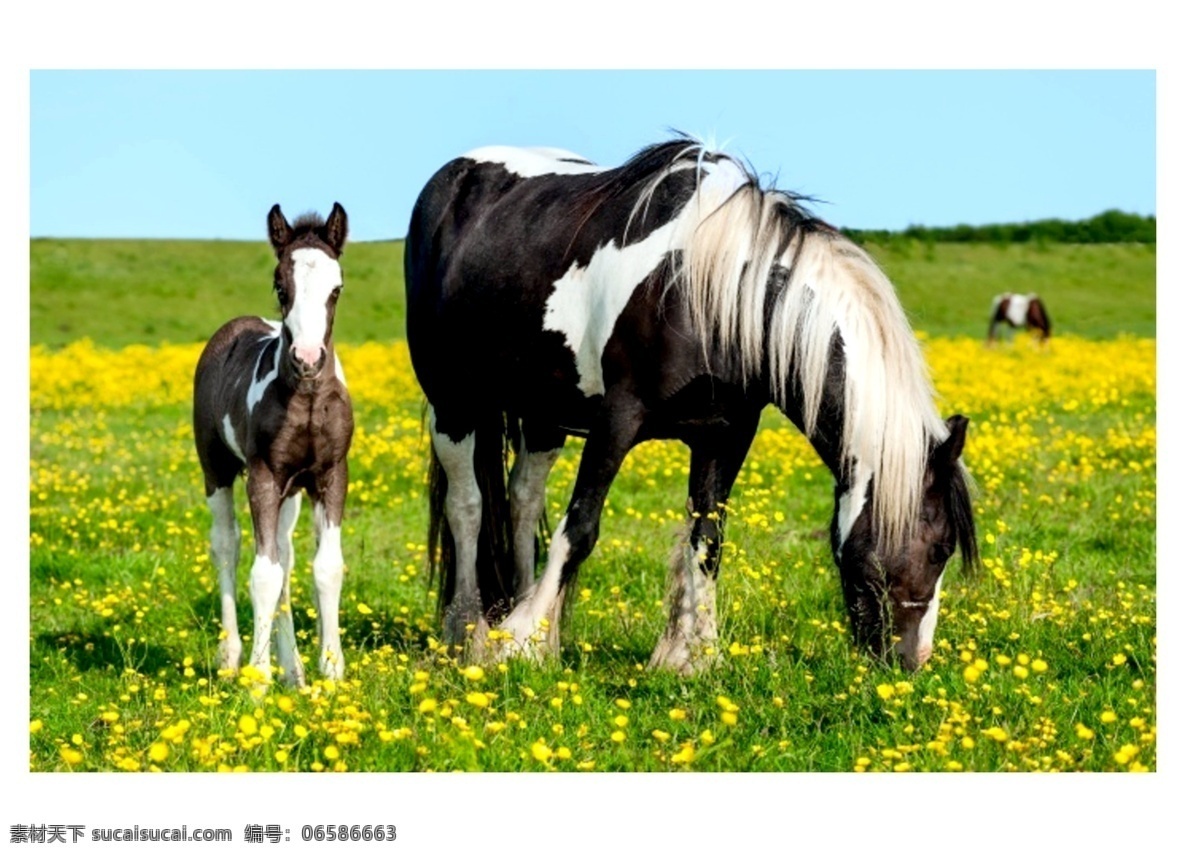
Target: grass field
x,y
1045,660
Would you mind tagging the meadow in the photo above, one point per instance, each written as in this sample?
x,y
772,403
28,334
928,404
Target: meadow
x,y
1045,659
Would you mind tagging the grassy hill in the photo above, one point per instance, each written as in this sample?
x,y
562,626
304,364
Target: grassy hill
x,y
120,292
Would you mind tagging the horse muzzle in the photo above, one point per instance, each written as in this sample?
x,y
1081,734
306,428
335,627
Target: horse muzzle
x,y
308,361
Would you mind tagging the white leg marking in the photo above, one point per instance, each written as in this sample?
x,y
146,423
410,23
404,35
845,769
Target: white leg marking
x,y
266,588
329,569
532,627
464,511
527,497
226,543
285,626
689,643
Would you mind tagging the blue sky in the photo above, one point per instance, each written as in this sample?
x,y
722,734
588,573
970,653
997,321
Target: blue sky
x,y
205,153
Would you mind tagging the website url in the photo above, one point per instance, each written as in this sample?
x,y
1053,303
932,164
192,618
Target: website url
x,y
161,834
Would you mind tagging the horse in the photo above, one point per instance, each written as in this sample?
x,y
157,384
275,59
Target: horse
x,y
1019,311
674,297
270,401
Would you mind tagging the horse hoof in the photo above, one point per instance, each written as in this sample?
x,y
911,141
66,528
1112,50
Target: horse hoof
x,y
683,657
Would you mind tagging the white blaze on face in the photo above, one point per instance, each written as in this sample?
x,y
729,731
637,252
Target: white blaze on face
x,y
929,623
1018,309
315,275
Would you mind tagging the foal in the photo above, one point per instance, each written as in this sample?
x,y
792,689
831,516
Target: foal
x,y
271,401
1019,311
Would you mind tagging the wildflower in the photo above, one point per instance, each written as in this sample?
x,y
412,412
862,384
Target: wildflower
x,y
886,691
541,751
1108,717
618,737
996,734
1039,666
479,700
473,673
285,704
677,714
159,752
35,726
247,725
685,755
1083,732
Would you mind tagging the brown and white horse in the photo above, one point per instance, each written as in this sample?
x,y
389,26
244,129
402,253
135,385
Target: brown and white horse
x,y
1019,311
270,400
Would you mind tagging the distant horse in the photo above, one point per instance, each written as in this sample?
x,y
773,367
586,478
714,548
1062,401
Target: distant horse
x,y
271,401
1019,311
671,297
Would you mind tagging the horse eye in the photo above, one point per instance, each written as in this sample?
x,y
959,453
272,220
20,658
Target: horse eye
x,y
939,553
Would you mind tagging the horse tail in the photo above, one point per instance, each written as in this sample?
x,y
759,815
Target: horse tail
x,y
495,569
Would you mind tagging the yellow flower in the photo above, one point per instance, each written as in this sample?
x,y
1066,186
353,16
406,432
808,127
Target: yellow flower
x,y
1083,732
35,726
1020,672
677,714
624,704
685,755
729,718
1118,659
332,752
426,705
1108,717
285,704
247,725
563,753
479,700
618,737
660,735
1039,666
71,756
970,675
540,751
886,691
621,721
363,609
996,734
473,673
159,752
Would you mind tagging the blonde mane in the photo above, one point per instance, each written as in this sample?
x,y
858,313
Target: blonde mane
x,y
754,253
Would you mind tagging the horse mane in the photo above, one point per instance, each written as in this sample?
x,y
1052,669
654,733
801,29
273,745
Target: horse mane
x,y
308,223
778,288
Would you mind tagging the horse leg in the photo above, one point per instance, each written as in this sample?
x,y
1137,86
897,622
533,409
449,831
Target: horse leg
x,y
689,642
226,538
285,626
329,566
464,512
532,627
266,574
527,497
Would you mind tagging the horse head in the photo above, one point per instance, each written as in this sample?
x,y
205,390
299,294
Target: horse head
x,y
308,281
892,593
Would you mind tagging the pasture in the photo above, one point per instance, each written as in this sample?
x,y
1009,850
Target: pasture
x,y
1045,660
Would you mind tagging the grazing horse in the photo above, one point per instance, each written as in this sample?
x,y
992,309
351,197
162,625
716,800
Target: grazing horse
x,y
271,401
1019,311
671,297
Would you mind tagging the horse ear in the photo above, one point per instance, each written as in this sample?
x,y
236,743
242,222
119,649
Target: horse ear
x,y
950,450
337,227
278,229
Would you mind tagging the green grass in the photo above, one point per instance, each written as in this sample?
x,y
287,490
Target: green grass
x,y
123,612
118,293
